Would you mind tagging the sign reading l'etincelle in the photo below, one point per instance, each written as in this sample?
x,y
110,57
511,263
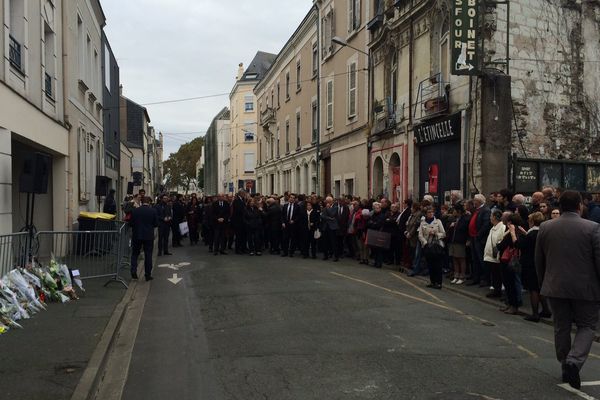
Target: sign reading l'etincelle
x,y
465,37
438,130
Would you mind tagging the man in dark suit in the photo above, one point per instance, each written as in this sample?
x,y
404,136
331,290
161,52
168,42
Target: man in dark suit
x,y
290,216
273,222
479,229
329,229
343,217
165,216
238,207
567,260
220,214
143,221
178,218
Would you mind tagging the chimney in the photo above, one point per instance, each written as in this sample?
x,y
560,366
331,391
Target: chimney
x,y
240,71
120,90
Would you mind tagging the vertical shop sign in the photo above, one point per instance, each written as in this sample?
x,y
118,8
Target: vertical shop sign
x,y
465,37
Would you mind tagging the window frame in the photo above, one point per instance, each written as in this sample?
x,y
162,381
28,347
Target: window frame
x,y
329,103
352,90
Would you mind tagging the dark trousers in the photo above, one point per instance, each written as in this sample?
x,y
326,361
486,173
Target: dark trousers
x,y
378,254
290,239
208,235
176,234
240,239
163,238
340,241
496,276
330,247
136,247
275,240
255,240
509,279
396,248
219,241
309,244
434,263
582,313
477,271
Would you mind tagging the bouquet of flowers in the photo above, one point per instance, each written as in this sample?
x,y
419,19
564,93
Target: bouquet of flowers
x,y
26,291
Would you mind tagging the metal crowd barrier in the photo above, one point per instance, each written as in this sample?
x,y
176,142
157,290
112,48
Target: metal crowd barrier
x,y
13,251
96,254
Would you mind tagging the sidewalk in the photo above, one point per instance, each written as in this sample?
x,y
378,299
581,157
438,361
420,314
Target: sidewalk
x,y
46,359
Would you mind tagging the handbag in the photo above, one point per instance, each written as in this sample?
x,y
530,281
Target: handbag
x,y
508,254
378,239
317,234
511,257
433,249
184,229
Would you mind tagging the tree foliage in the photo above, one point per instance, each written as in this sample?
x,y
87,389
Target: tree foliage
x,y
180,167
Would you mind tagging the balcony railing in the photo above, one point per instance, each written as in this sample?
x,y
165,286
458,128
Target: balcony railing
x,y
267,116
15,53
48,85
376,22
385,115
432,97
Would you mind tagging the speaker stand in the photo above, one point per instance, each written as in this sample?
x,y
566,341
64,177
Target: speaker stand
x,y
29,227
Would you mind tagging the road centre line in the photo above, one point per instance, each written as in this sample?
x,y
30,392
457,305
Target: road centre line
x,y
408,296
518,346
418,288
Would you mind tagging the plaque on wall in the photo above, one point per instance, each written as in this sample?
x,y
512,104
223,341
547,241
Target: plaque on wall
x,y
593,178
574,177
551,175
526,177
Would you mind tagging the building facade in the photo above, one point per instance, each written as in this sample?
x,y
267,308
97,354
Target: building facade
x,y
288,115
32,111
137,137
111,116
243,127
436,128
216,152
343,97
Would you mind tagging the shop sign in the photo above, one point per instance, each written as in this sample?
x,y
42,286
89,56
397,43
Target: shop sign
x,y
439,130
532,175
526,177
465,37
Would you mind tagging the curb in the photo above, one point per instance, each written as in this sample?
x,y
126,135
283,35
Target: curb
x,y
90,380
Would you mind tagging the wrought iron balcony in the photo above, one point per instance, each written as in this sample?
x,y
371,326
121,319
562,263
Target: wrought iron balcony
x,y
384,116
432,97
267,116
48,85
15,53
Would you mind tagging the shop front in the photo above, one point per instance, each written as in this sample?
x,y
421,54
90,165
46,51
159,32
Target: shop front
x,y
439,152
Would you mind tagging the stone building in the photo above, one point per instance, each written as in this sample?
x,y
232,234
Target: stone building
x,y
288,115
435,130
242,160
83,22
32,111
216,152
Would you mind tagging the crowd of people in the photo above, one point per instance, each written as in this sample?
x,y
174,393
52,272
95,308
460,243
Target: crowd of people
x,y
484,241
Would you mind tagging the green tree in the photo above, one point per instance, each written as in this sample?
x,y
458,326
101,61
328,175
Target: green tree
x,y
200,178
180,167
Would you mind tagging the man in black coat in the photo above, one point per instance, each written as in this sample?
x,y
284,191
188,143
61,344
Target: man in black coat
x,y
165,216
273,222
290,217
343,218
220,214
178,218
329,229
110,205
144,220
237,221
482,213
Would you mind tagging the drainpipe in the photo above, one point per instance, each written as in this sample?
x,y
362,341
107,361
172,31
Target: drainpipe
x,y
318,145
410,93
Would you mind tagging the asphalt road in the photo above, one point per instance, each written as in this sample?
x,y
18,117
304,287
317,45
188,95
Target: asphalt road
x,y
240,327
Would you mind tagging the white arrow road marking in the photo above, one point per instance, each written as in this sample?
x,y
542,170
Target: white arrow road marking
x,y
174,267
175,279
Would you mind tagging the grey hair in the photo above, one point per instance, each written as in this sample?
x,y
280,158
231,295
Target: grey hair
x,y
480,198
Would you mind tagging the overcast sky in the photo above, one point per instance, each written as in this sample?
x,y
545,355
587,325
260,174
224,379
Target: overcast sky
x,y
174,49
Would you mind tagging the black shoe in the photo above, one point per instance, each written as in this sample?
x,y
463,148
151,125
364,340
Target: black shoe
x,y
168,254
291,255
472,283
532,318
571,373
493,295
546,314
336,259
284,254
216,253
223,252
134,275
431,285
210,249
149,278
483,284
437,286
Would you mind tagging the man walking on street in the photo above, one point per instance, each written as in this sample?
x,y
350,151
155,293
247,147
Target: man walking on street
x,y
178,217
567,259
143,221
165,215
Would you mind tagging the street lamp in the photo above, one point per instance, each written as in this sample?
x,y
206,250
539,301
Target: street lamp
x,y
343,43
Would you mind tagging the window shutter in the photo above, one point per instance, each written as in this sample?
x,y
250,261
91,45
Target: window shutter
x,y
351,4
357,12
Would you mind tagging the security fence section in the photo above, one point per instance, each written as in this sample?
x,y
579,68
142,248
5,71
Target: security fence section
x,y
36,268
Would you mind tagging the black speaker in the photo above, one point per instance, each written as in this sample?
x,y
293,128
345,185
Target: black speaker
x,y
137,178
36,172
129,187
102,183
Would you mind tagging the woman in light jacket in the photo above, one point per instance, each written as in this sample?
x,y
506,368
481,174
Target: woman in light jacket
x,y
491,256
431,232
